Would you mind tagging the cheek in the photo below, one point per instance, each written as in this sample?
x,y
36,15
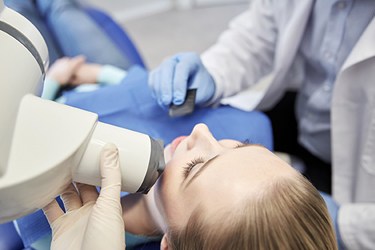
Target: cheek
x,y
165,193
171,170
167,153
169,198
170,181
174,169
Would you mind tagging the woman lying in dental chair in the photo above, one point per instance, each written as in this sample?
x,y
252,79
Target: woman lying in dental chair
x,y
236,181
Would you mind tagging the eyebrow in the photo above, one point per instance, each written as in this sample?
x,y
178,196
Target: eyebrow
x,y
210,161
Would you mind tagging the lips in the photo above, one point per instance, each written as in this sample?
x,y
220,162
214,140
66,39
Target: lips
x,y
176,142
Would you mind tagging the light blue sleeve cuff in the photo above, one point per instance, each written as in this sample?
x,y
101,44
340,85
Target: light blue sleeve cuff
x,y
110,75
50,89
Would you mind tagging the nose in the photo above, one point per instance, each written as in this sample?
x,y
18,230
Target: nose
x,y
201,136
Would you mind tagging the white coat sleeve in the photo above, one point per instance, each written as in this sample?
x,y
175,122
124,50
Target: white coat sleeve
x,y
357,225
245,52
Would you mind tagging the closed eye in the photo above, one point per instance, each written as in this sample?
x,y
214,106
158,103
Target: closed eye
x,y
246,143
211,161
190,165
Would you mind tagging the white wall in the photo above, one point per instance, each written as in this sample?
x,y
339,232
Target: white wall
x,y
123,10
198,3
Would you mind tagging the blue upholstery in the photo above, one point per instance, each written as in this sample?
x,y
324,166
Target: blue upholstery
x,y
9,239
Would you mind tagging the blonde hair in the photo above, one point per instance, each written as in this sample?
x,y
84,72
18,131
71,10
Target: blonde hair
x,y
288,213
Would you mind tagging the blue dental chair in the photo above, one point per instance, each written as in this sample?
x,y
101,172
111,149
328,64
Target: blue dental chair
x,y
9,238
220,121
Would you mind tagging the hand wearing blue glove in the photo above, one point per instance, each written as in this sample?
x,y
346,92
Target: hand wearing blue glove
x,y
333,209
170,81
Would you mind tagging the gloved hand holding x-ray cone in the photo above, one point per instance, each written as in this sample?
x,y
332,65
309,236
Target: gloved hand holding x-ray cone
x,y
91,221
170,81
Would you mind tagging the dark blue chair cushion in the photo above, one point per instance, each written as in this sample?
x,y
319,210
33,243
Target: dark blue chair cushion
x,y
9,238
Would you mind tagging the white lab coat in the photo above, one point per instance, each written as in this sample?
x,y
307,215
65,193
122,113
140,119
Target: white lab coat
x,y
257,57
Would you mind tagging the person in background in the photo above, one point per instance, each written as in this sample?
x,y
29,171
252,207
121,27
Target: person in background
x,y
82,76
325,47
69,31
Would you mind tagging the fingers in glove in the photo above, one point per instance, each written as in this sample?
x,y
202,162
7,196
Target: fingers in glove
x,y
110,173
88,193
53,211
107,210
152,81
71,198
180,82
157,86
167,74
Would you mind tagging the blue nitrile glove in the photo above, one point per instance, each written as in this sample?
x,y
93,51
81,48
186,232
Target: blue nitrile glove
x,y
170,81
333,209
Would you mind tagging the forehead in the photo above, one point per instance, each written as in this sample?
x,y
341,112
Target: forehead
x,y
253,161
237,172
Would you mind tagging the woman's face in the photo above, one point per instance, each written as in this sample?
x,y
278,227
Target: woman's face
x,y
212,175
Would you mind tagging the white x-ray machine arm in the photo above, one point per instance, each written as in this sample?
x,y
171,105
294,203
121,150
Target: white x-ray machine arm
x,y
43,144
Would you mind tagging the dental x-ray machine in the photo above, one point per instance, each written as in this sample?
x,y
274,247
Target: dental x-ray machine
x,y
45,145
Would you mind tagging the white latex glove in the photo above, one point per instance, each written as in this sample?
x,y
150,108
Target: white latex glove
x,y
91,221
